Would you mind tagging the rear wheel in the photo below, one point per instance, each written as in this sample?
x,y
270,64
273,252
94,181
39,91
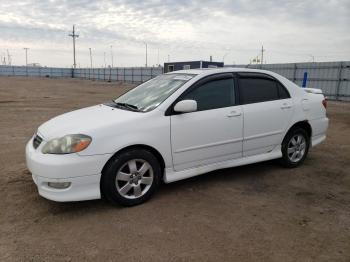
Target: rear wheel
x,y
131,177
295,147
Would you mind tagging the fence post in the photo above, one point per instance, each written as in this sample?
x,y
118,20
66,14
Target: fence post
x,y
339,80
141,72
132,75
13,70
295,73
124,75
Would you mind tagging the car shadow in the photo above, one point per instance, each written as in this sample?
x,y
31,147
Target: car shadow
x,y
251,175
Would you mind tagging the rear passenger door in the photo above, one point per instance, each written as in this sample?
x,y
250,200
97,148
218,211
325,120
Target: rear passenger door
x,y
267,109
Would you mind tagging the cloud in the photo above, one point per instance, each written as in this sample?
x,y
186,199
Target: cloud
x,y
183,29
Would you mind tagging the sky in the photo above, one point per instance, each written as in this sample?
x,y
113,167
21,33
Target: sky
x,y
232,31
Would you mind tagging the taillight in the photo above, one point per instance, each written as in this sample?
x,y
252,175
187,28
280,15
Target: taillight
x,y
324,103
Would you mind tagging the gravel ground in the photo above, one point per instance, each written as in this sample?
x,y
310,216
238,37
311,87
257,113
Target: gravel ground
x,y
260,212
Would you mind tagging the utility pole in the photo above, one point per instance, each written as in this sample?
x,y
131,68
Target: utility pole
x,y
90,57
262,54
168,58
112,55
26,50
146,53
74,35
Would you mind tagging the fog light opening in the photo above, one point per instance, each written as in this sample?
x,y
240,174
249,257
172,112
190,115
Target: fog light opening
x,y
59,185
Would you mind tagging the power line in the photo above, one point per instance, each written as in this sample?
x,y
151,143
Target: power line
x,y
74,35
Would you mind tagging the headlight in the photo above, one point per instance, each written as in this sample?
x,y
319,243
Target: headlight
x,y
67,144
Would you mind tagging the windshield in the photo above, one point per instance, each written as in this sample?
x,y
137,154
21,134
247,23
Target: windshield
x,y
152,93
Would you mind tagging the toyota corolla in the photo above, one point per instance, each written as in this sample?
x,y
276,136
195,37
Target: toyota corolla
x,y
175,126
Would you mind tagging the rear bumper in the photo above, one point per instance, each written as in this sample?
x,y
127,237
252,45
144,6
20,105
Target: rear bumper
x,y
82,172
319,130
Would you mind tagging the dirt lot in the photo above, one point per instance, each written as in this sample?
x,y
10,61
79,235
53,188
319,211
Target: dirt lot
x,y
259,212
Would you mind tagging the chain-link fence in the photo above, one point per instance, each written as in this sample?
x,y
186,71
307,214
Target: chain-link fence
x,y
332,77
128,74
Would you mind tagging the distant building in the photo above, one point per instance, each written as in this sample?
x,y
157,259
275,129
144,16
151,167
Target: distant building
x,y
34,65
175,66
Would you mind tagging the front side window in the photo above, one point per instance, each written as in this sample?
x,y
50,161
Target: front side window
x,y
213,94
255,90
152,93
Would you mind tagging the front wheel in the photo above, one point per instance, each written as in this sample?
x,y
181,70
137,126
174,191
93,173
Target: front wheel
x,y
295,147
131,177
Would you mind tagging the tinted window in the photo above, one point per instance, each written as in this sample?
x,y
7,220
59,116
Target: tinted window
x,y
255,90
283,92
213,94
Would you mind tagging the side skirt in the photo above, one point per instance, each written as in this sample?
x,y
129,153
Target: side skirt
x,y
172,176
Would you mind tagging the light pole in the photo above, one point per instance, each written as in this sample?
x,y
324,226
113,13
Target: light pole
x,y
223,58
313,58
26,50
112,55
90,57
146,52
104,58
158,57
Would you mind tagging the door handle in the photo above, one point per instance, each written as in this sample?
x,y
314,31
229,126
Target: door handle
x,y
234,113
286,106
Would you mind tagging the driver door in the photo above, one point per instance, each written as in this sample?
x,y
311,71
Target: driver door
x,y
214,132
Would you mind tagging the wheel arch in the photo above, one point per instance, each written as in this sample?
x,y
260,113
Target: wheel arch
x,y
301,124
151,149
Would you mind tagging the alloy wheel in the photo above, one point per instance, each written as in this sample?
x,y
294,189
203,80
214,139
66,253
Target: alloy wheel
x,y
134,178
296,148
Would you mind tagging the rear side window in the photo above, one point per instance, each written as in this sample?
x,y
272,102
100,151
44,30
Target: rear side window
x,y
255,90
283,93
213,94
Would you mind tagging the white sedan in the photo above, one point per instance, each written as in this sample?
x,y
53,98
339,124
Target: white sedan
x,y
175,126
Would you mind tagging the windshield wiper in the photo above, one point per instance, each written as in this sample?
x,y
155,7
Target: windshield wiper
x,y
126,105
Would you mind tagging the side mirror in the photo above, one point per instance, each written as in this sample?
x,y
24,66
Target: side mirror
x,y
186,106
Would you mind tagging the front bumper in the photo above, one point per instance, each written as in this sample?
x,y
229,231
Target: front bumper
x,y
83,173
81,188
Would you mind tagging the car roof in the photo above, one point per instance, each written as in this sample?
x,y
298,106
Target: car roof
x,y
210,71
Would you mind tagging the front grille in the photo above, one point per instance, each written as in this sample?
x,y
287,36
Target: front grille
x,y
37,141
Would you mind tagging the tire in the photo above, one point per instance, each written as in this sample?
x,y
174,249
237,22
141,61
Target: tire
x,y
131,177
295,147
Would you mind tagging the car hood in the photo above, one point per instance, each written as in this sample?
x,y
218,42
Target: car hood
x,y
86,121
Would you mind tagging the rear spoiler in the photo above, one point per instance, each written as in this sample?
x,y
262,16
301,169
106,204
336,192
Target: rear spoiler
x,y
313,90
